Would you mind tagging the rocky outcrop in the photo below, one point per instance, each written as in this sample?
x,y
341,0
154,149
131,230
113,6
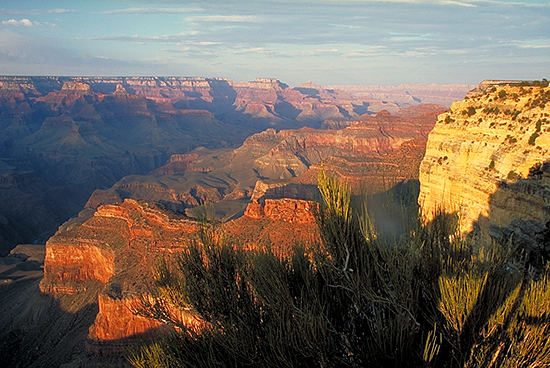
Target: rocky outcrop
x,y
62,138
69,267
115,247
79,134
285,209
116,320
372,154
487,159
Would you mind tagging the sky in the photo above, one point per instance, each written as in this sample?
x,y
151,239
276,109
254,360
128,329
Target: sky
x,y
328,42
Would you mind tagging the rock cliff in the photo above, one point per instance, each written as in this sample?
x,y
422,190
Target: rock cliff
x,y
487,158
115,247
372,154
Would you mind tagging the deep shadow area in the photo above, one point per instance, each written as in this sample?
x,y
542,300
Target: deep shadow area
x,y
519,214
38,330
310,92
293,191
286,110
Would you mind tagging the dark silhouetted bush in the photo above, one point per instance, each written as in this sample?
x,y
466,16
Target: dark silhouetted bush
x,y
431,299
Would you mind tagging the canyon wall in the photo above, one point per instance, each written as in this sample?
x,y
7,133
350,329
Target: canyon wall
x,y
372,154
487,159
115,247
61,138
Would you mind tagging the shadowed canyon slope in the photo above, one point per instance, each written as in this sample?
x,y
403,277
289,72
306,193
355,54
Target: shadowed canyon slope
x,y
273,174
487,158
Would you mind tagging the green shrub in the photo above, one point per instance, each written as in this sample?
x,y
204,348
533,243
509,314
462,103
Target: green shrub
x,y
431,299
533,138
512,175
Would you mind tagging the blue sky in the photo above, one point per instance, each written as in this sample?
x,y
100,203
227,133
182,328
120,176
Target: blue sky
x,y
328,42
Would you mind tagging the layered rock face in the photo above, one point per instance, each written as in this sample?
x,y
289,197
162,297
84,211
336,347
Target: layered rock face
x,y
487,158
286,209
115,247
60,139
372,154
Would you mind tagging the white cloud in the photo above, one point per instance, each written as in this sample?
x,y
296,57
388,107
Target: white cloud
x,y
529,44
151,11
36,11
366,51
410,37
224,18
20,23
459,3
61,11
541,46
172,38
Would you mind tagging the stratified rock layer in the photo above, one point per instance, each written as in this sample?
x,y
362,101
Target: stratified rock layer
x,y
372,154
485,159
117,247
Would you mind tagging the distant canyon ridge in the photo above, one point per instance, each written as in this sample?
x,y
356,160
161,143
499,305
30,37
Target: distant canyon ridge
x,y
62,138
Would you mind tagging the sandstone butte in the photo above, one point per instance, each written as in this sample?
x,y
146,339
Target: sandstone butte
x,y
488,159
117,246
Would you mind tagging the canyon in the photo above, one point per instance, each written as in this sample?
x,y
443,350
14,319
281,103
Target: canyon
x,y
61,138
140,158
372,154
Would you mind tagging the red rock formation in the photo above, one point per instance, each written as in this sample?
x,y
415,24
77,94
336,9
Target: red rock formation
x,y
116,319
254,210
284,209
69,266
372,154
118,245
289,210
289,224
117,325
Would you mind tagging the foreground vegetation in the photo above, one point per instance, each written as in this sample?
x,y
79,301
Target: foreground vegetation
x,y
429,299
